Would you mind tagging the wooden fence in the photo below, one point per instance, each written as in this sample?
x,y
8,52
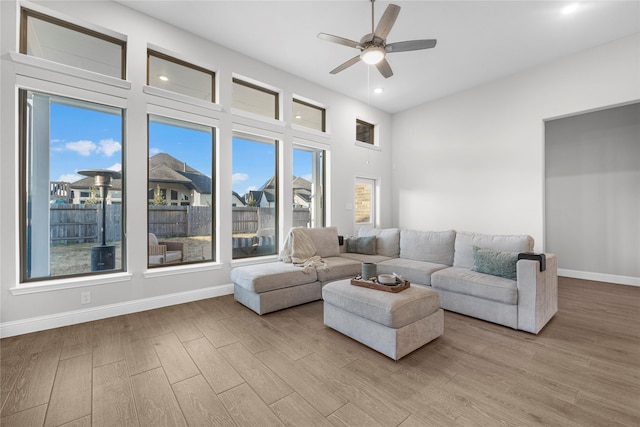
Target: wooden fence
x,y
82,223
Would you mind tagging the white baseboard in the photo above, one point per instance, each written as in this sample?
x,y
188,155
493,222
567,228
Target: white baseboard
x,y
34,324
600,277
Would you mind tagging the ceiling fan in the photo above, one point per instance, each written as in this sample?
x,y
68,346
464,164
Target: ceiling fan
x,y
373,46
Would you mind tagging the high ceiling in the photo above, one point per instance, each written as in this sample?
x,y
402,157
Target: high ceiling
x,y
478,41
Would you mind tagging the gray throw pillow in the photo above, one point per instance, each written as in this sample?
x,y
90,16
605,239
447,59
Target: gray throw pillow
x,y
362,245
496,263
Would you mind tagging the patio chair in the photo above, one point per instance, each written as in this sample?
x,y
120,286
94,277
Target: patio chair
x,y
164,252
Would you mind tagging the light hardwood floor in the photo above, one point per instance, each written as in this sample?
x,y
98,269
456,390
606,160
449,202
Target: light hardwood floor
x,y
214,362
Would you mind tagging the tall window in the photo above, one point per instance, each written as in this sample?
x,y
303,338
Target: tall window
x,y
309,115
308,187
255,99
365,201
69,44
255,196
166,72
180,192
71,206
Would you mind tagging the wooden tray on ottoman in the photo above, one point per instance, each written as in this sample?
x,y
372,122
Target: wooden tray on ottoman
x,y
380,287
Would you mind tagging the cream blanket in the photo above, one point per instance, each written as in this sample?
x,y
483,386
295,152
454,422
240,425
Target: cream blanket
x,y
299,250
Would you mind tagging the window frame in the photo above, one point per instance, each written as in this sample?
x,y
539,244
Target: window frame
x,y
169,58
372,126
214,200
236,80
26,13
372,182
316,107
23,208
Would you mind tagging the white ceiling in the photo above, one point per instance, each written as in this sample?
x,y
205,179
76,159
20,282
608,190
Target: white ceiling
x,y
478,41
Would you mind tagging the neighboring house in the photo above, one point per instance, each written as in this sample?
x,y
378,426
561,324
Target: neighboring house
x,y
236,200
80,191
179,183
301,193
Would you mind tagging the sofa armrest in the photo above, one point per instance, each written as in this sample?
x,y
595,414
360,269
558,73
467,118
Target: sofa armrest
x,y
537,293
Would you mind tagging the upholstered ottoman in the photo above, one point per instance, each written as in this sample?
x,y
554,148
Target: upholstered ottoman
x,y
395,324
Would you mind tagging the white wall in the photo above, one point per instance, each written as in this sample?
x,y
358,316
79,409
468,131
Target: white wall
x,y
34,307
474,161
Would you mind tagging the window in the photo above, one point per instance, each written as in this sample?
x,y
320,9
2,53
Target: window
x,y
255,99
364,132
69,44
255,195
79,144
166,72
365,201
180,161
309,115
308,187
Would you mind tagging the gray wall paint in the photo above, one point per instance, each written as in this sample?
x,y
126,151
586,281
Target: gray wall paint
x,y
592,191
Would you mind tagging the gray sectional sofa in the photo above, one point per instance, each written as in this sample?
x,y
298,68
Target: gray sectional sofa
x,y
458,265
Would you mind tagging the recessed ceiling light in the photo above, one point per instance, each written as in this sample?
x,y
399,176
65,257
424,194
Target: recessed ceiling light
x,y
164,78
298,116
377,90
569,9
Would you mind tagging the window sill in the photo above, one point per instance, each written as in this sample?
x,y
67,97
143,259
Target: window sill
x,y
174,96
369,146
181,269
257,117
69,283
44,64
310,131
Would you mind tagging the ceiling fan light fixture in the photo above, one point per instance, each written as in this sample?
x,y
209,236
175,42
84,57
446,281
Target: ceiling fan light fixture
x,y
373,55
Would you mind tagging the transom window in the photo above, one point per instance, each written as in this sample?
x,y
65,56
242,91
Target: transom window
x,y
255,99
309,115
365,132
166,72
55,40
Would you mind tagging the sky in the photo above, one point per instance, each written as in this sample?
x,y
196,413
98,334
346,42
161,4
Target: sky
x,y
83,138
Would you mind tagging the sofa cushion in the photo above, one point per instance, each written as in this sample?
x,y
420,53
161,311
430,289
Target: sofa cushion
x,y
466,282
393,310
431,246
265,277
463,255
387,240
338,268
497,263
325,240
414,271
362,245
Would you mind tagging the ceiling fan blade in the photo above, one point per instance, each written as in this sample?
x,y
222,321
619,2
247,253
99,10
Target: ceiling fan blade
x,y
384,68
338,40
345,65
386,22
410,45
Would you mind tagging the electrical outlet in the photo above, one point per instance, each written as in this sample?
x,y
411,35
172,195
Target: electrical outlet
x,y
85,298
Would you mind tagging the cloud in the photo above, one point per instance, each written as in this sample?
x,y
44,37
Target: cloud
x,y
251,188
109,147
70,177
154,151
237,178
308,177
115,167
84,148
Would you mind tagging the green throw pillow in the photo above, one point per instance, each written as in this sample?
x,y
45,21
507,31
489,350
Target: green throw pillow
x,y
496,263
362,245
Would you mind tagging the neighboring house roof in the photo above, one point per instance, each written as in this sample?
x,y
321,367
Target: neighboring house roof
x,y
302,188
88,182
166,168
235,195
